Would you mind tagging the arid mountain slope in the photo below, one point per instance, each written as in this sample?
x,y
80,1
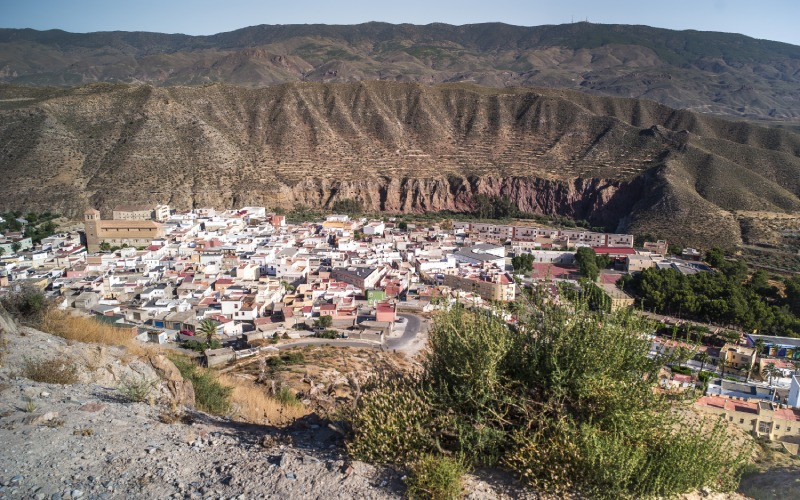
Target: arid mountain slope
x,y
720,73
627,164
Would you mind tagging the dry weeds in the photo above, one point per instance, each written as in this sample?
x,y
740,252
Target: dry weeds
x,y
253,404
85,329
51,371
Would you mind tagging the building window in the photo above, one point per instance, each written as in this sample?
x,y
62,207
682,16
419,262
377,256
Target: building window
x,y
777,427
741,420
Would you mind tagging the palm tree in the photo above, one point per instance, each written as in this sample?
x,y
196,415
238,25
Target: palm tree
x,y
208,328
750,371
723,363
759,347
703,357
770,371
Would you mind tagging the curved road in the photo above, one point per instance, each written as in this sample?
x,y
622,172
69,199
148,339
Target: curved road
x,y
413,327
409,340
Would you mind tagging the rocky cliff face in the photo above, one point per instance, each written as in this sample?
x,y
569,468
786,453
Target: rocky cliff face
x,y
621,163
604,201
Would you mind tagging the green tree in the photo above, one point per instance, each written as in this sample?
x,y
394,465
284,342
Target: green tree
x,y
587,263
759,347
15,247
350,206
715,257
105,246
522,263
770,371
323,322
207,329
723,364
792,294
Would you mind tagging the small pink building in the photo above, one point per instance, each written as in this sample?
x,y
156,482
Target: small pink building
x,y
386,313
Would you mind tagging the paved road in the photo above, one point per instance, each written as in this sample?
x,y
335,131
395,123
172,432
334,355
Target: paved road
x,y
331,342
413,327
673,319
410,340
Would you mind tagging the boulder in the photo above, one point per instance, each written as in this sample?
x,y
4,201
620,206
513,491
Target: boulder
x,y
181,390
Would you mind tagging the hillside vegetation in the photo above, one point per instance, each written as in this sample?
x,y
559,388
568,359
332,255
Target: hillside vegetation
x,y
625,164
720,73
566,400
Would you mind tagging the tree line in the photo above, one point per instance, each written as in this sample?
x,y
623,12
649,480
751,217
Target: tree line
x,y
728,296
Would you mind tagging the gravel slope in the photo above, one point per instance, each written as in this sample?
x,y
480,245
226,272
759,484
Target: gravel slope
x,y
86,441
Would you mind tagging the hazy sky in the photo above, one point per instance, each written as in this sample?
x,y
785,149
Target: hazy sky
x,y
770,19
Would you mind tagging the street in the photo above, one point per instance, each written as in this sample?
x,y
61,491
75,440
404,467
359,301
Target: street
x,y
410,341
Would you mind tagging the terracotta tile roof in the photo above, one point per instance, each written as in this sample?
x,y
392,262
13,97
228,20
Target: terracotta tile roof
x,y
792,414
728,404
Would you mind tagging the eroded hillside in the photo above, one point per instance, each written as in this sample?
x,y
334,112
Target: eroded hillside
x,y
628,164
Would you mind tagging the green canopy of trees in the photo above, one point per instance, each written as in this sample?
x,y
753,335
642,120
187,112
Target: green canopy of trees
x,y
725,297
589,263
522,263
349,206
39,226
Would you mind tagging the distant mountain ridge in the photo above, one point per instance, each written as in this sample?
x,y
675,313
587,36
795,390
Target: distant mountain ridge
x,y
719,73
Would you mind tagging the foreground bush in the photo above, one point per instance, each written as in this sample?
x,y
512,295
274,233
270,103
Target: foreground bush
x,y
26,303
137,389
436,478
566,400
201,347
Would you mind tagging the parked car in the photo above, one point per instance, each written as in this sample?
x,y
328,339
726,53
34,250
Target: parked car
x,y
187,332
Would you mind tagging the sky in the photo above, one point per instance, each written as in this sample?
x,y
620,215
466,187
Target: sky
x,y
769,19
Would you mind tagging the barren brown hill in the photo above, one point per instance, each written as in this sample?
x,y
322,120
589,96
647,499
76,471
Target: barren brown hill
x,y
721,73
632,165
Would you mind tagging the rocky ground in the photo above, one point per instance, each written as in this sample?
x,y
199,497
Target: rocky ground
x,y
85,440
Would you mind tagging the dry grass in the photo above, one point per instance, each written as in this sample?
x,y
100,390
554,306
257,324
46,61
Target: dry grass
x,y
51,371
253,404
84,329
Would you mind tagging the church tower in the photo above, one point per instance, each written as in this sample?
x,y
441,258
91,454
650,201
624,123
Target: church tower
x,y
91,225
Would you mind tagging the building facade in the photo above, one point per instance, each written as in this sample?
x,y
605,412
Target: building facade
x,y
135,233
490,287
762,418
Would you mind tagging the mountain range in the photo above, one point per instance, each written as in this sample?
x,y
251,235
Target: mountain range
x,y
626,164
719,73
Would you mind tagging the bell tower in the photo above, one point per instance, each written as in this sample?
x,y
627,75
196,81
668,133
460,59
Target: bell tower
x,y
91,225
